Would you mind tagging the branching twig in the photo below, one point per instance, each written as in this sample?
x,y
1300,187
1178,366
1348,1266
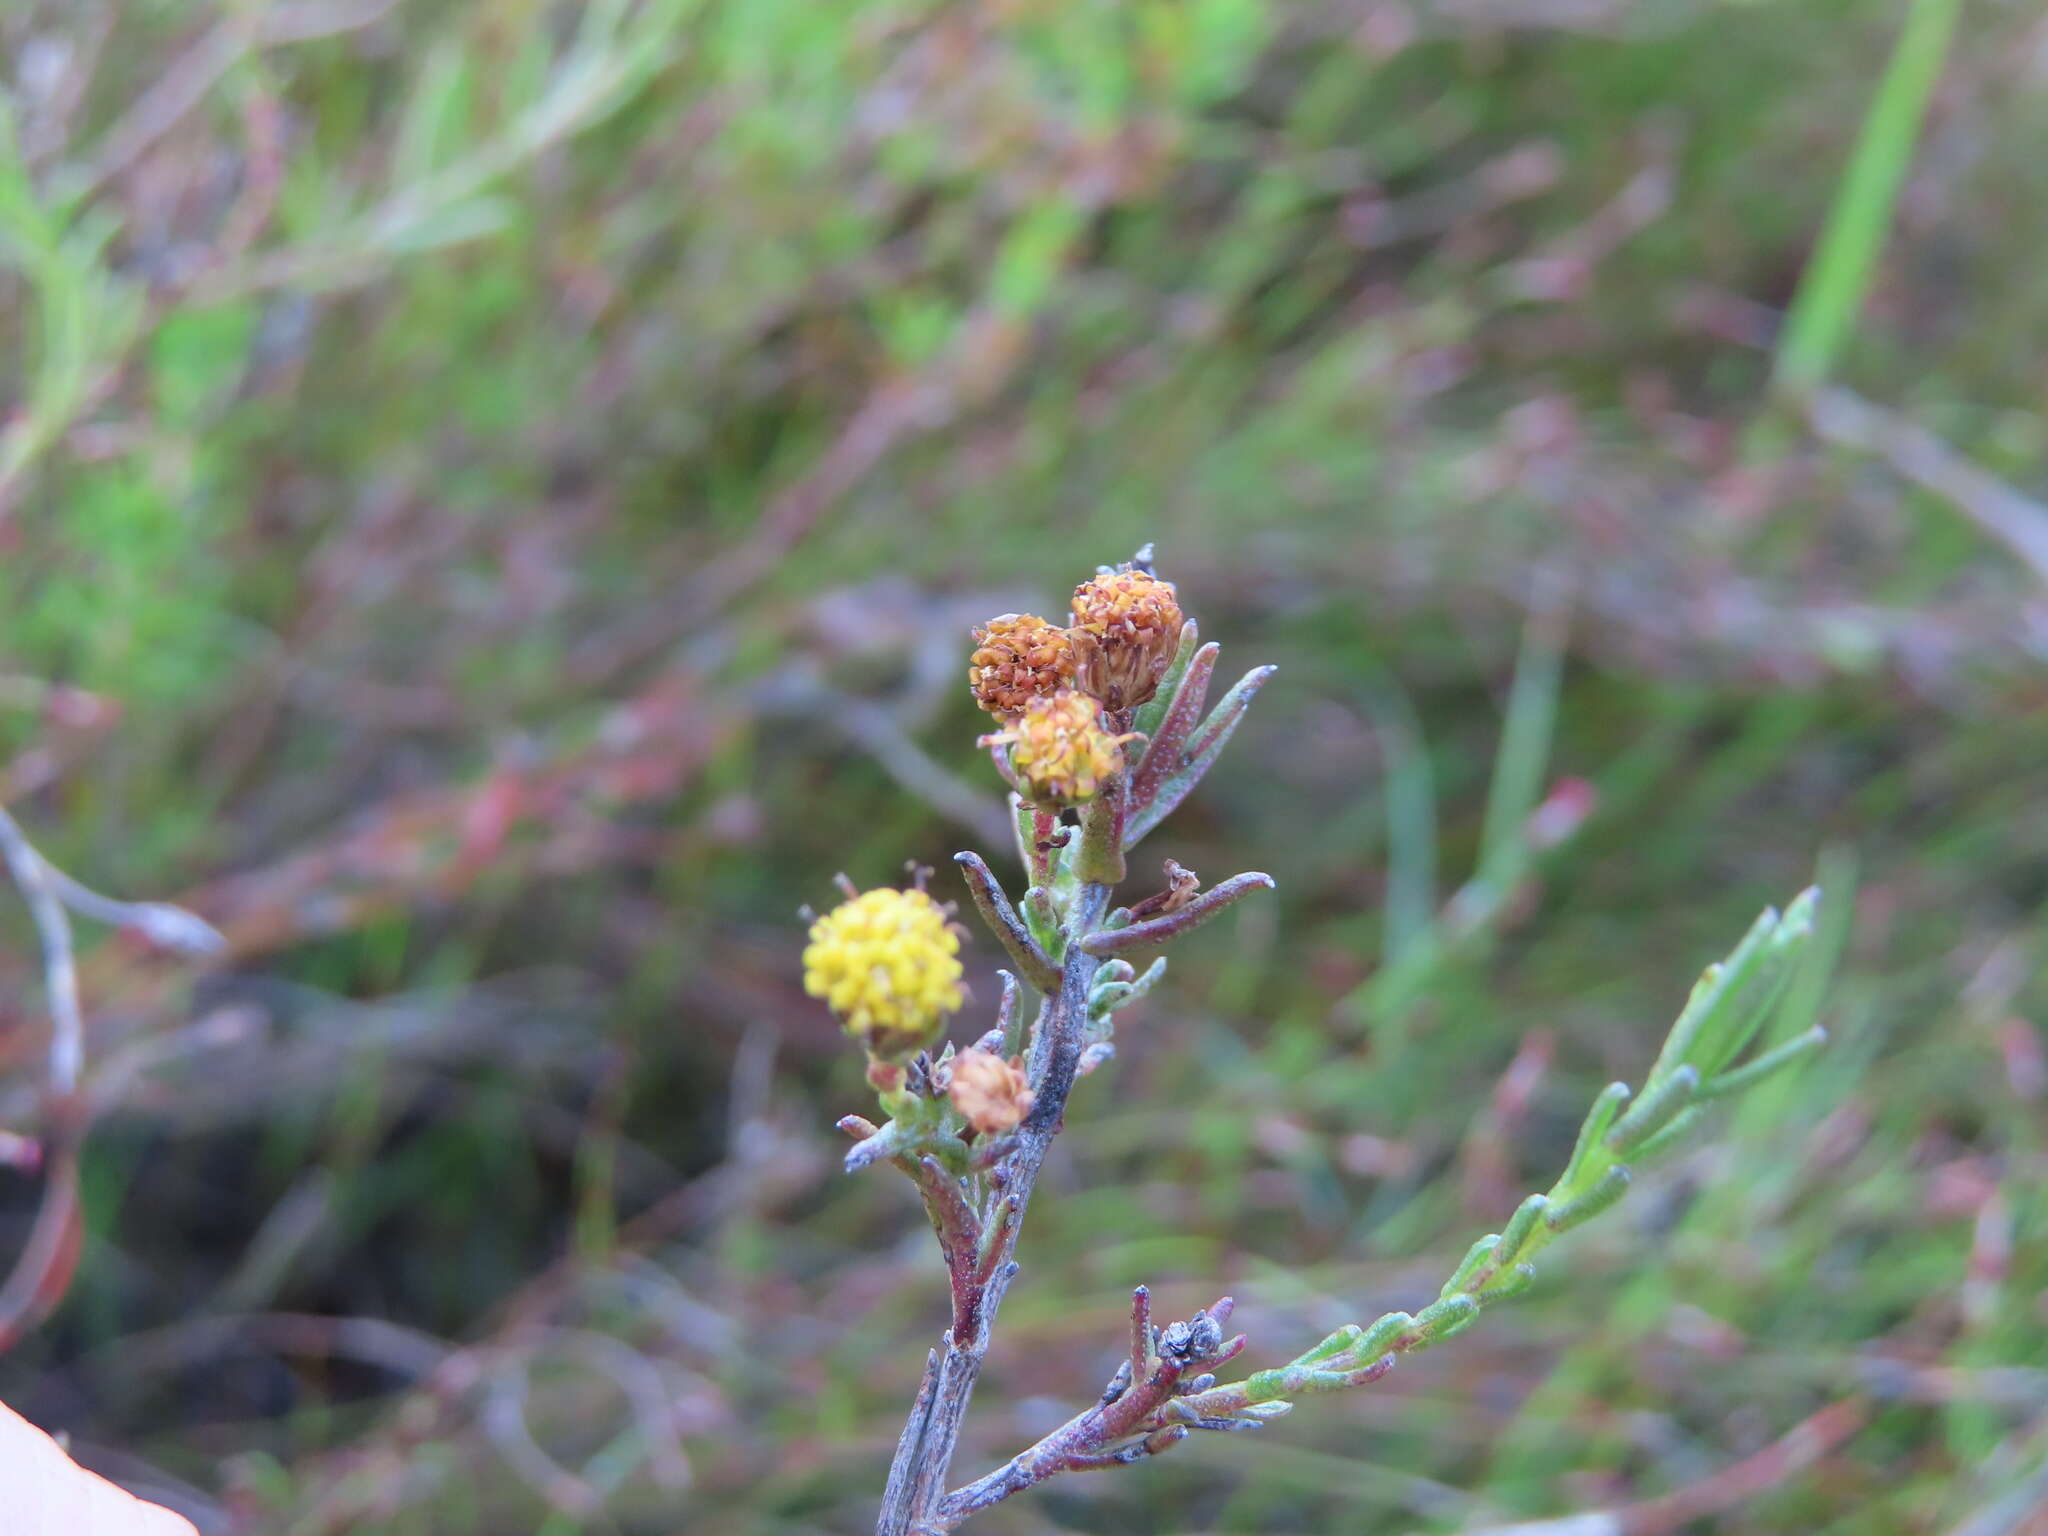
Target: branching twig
x,y
924,1455
1135,1418
1143,1412
43,1272
60,972
2018,522
972,1131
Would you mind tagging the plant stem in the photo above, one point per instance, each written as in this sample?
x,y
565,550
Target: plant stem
x,y
1140,1399
924,1454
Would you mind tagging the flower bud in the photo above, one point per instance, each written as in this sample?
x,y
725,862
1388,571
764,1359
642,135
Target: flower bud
x,y
1059,752
1017,658
884,961
991,1093
1126,628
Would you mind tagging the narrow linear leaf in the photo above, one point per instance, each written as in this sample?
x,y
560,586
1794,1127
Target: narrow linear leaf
x,y
1146,721
1411,824
1166,742
1380,1337
1774,1060
1515,1235
1512,1283
1707,1005
1598,1119
1833,287
1339,1343
1524,755
1612,1186
1740,1017
1121,941
1657,1108
1668,1138
1202,752
1002,920
1837,914
1441,1319
1474,1258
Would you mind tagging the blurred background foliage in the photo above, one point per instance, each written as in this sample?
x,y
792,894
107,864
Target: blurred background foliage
x,y
492,496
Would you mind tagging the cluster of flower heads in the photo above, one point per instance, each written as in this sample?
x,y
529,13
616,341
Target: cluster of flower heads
x,y
1051,686
885,962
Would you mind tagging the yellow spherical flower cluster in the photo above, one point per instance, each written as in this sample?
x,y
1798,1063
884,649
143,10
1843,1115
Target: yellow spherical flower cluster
x,y
1126,627
884,961
1017,658
1059,751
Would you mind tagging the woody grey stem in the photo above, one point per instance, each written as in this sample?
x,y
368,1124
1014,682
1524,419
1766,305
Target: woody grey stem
x,y
924,1454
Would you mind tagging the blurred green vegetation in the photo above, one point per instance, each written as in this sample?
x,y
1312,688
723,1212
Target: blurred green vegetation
x,y
505,486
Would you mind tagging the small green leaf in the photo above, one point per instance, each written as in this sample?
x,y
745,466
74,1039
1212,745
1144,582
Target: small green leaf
x,y
1381,1335
1475,1257
1774,1060
1654,1110
1515,1235
1146,721
1598,1119
1512,1283
1441,1319
1612,1186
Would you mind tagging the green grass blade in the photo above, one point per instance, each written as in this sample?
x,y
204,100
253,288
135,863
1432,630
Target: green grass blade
x,y
1524,756
1832,290
1411,821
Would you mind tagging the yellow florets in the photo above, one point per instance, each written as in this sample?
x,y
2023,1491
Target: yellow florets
x,y
1059,751
1017,658
1126,627
884,963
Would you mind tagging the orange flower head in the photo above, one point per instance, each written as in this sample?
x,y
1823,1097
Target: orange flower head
x,y
990,1093
1126,627
1017,658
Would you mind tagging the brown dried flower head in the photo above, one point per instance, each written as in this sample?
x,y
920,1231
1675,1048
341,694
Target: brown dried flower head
x,y
1060,754
1017,658
1126,627
991,1093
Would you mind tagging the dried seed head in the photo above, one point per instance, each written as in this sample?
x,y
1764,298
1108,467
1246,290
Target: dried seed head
x,y
884,963
1126,626
1196,1339
1017,658
990,1092
1059,751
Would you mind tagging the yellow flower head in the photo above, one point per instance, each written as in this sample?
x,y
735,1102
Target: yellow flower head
x,y
1017,658
1126,628
991,1093
1058,749
884,961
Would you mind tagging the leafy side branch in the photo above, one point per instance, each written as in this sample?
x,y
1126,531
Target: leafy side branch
x,y
1103,729
1732,1004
